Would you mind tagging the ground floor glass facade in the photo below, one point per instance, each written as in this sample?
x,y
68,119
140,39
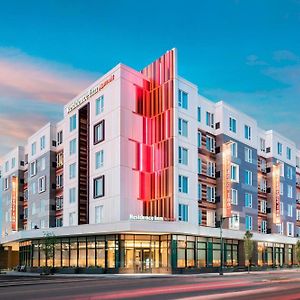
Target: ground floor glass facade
x,y
149,253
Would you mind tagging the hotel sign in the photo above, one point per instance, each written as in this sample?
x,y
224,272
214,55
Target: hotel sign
x,y
92,91
226,197
14,204
145,218
276,193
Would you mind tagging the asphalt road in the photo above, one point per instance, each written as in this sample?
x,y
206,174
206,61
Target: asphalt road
x,y
274,285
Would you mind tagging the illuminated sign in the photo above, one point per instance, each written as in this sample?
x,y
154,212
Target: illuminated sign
x,y
93,91
276,193
14,203
145,218
226,179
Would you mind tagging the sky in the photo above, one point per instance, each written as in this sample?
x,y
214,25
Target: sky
x,y
246,53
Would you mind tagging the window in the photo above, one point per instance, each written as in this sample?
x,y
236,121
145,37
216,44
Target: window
x,y
234,173
72,146
210,218
98,214
199,114
182,155
199,216
234,197
263,226
182,127
182,184
290,191
33,168
279,148
99,105
210,144
72,218
199,139
13,162
263,206
233,147
42,142
281,208
290,210
72,122
263,165
33,148
6,184
199,191
59,203
297,161
280,228
263,185
72,195
248,200
199,165
281,188
59,222
234,222
59,137
99,158
298,214
59,181
290,229
210,193
183,213
42,163
262,143
248,223
72,171
210,119
248,155
33,209
182,99
232,124
247,132
6,166
289,172
99,187
42,184
99,132
288,153
248,177
211,169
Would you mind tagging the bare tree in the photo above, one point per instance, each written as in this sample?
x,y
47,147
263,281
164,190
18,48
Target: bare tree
x,y
48,247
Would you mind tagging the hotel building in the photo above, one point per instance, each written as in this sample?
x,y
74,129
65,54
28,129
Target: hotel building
x,y
139,175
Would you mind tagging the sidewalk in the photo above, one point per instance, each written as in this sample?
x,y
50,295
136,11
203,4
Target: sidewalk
x,y
149,275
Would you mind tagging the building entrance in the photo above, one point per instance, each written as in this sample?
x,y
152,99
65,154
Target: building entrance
x,y
143,260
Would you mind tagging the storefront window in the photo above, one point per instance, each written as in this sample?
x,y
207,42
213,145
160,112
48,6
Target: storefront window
x,y
82,252
111,254
65,253
216,255
57,255
73,252
100,252
35,258
91,254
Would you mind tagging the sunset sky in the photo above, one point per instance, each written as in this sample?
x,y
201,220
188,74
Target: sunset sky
x,y
246,53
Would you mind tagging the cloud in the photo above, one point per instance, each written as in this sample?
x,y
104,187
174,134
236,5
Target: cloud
x,y
25,76
252,60
32,93
285,55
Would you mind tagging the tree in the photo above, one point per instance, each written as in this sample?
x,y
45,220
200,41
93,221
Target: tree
x,y
48,247
248,247
297,250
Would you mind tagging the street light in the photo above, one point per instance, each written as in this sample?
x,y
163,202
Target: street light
x,y
222,219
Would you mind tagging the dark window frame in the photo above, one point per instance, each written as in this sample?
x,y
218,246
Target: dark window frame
x,y
103,132
94,187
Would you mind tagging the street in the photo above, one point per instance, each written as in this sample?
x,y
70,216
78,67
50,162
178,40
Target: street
x,y
273,285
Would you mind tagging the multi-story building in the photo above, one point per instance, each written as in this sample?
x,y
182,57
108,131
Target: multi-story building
x,y
140,174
